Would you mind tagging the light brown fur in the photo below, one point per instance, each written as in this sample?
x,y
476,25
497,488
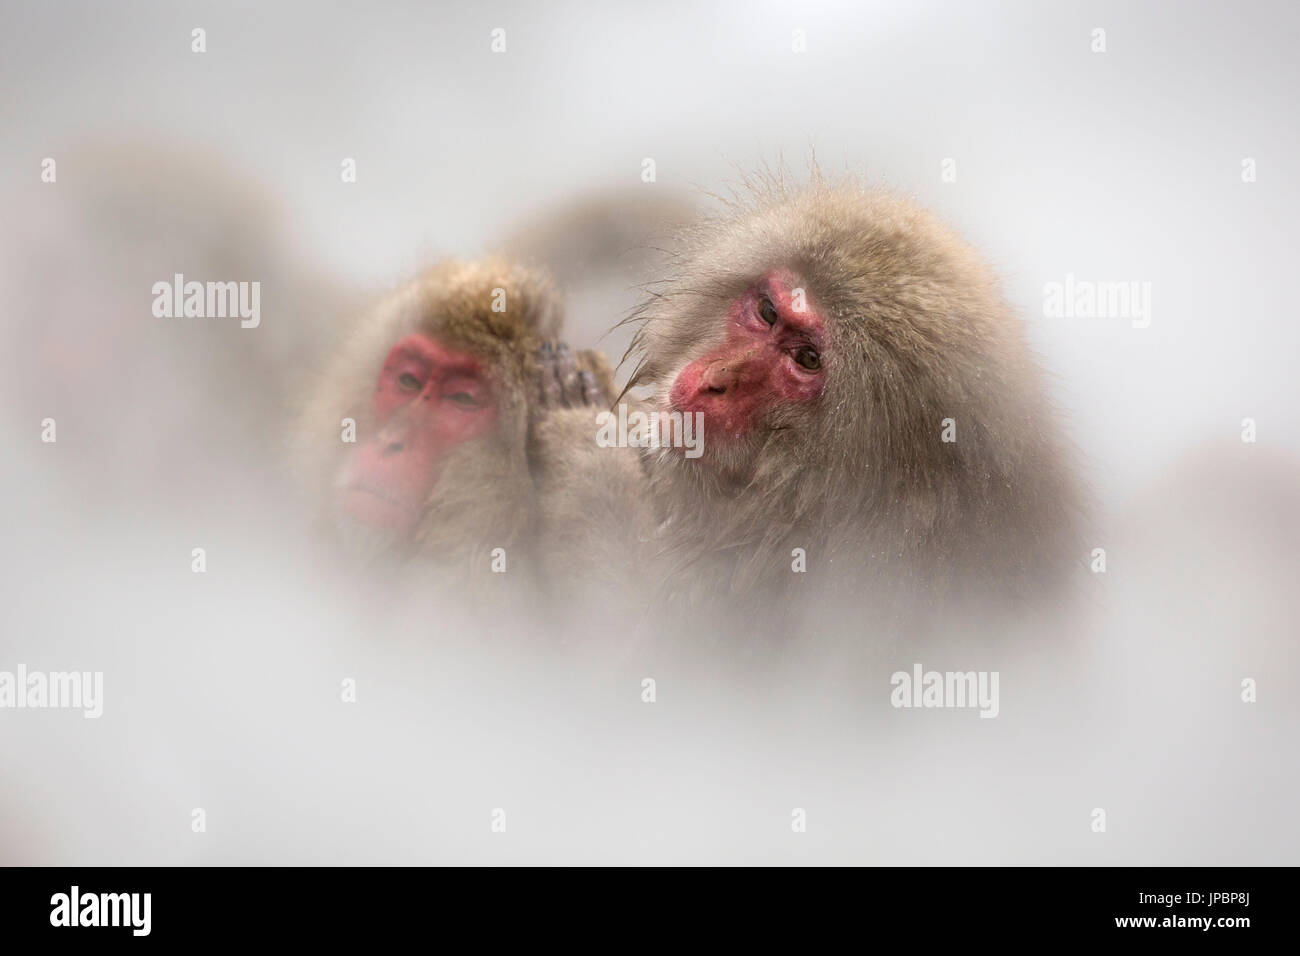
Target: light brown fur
x,y
484,496
886,512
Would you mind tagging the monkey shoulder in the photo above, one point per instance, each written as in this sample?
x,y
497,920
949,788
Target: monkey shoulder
x,y
566,447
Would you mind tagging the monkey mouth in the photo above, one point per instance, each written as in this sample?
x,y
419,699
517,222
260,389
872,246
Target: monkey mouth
x,y
378,508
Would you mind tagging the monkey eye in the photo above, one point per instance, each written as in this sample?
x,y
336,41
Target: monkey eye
x,y
808,358
464,400
767,311
408,382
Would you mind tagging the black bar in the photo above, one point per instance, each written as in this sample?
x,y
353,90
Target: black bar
x,y
334,905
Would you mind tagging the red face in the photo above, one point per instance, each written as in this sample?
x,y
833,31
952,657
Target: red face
x,y
429,399
771,356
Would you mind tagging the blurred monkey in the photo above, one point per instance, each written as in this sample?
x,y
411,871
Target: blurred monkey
x,y
600,249
163,410
415,435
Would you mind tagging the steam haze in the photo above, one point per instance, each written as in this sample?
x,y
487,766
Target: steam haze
x,y
221,689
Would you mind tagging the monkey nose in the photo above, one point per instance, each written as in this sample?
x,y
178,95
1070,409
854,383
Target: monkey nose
x,y
717,379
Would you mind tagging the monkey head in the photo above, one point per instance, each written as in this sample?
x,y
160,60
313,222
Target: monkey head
x,y
436,383
858,377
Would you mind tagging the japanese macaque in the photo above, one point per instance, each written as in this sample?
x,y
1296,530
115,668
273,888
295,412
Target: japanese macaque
x,y
136,407
866,418
599,248
417,433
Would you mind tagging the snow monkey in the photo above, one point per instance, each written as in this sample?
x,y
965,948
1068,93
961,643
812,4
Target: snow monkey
x,y
416,433
155,412
840,398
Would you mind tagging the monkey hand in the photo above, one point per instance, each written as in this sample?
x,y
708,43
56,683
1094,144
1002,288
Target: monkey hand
x,y
566,380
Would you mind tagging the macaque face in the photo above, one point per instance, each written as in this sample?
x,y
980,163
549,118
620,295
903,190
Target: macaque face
x,y
772,355
429,399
